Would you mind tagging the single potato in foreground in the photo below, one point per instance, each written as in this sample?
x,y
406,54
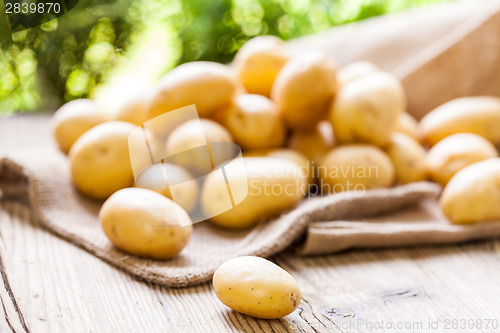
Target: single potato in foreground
x,y
256,287
145,223
473,194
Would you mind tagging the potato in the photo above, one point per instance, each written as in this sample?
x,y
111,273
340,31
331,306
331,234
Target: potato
x,y
479,115
135,110
355,70
73,119
258,62
145,223
473,194
455,152
255,123
196,133
168,179
408,158
208,85
100,161
306,167
256,287
274,185
304,88
355,167
367,109
407,125
315,143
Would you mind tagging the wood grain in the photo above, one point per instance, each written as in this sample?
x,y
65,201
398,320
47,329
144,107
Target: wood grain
x,y
49,285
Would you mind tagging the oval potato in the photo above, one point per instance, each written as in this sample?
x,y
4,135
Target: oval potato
x,y
304,88
408,158
313,144
472,194
479,115
455,152
367,109
135,110
408,125
256,287
145,223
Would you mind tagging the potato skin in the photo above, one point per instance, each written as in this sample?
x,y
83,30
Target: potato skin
x,y
473,193
135,110
256,287
145,223
208,85
408,158
455,152
479,115
367,109
73,119
355,167
313,144
304,88
255,123
100,161
408,125
258,62
355,70
274,185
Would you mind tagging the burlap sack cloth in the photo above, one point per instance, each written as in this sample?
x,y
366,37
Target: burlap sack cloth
x,y
440,53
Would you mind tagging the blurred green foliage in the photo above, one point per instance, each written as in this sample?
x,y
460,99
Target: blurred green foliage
x,y
70,57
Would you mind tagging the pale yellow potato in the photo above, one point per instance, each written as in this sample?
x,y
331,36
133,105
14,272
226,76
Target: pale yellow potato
x,y
355,70
479,115
454,153
255,123
73,119
274,185
407,125
304,89
188,136
258,62
408,158
355,167
314,144
135,110
472,194
256,287
100,161
207,85
367,109
168,179
145,223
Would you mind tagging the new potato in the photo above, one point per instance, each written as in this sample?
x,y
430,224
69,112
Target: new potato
x,y
135,110
479,115
408,158
314,143
455,152
473,193
367,109
355,70
145,223
304,88
274,185
408,125
356,167
100,161
256,287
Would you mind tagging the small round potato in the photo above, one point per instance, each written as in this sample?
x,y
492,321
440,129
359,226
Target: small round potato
x,y
145,223
100,160
408,157
355,167
367,109
256,287
315,143
355,70
135,110
407,125
258,62
479,115
304,89
472,194
255,123
455,152
73,119
207,85
274,185
172,181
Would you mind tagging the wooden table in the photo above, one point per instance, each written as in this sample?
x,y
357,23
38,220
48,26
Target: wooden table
x,y
50,285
